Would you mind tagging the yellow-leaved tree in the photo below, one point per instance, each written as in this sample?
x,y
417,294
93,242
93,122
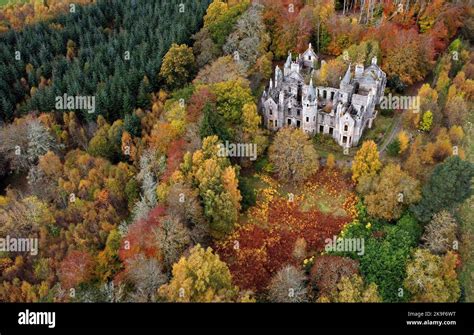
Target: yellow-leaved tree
x,y
353,289
251,131
366,161
404,140
391,192
293,155
209,169
200,277
432,278
178,65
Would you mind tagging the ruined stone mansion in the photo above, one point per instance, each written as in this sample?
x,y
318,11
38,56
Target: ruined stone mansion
x,y
342,113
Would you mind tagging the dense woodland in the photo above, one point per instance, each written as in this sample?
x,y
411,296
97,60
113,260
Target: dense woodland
x,y
134,202
99,50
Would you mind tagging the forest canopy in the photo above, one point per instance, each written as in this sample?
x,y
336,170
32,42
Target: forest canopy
x,y
98,50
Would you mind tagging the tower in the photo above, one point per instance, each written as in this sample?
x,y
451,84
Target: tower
x,y
309,57
345,84
287,67
278,76
309,102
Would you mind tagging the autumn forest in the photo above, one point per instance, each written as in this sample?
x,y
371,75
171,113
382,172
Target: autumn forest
x,y
114,188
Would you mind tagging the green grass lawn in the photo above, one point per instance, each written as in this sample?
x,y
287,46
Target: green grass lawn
x,y
381,127
325,145
324,202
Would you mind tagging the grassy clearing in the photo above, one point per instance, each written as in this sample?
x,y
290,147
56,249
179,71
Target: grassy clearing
x,y
326,192
380,128
325,145
325,202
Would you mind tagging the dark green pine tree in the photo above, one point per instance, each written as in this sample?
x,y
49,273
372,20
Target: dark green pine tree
x,y
101,101
6,109
100,45
127,104
132,124
449,185
212,124
143,98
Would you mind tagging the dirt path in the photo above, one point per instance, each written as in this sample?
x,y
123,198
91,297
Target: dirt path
x,y
393,133
397,126
395,129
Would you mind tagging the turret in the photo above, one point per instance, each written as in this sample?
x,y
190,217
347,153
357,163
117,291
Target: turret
x,y
287,67
309,109
347,77
278,76
288,59
345,84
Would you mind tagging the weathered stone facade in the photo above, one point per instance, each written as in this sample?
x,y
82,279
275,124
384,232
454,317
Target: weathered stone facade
x,y
342,112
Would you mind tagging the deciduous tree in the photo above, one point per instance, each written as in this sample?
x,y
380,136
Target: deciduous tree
x,y
77,267
440,233
200,277
293,155
146,274
178,65
366,161
217,183
172,238
353,289
432,278
328,270
392,191
288,285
